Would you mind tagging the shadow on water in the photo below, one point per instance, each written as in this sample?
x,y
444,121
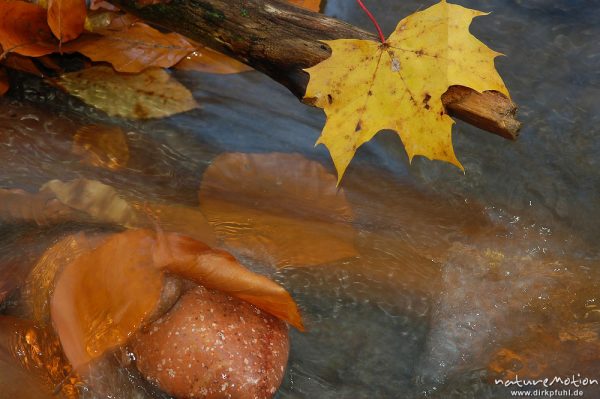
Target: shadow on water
x,y
460,279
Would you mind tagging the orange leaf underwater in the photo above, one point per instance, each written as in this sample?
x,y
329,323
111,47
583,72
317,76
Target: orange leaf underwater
x,y
219,270
24,30
104,146
66,18
105,294
281,209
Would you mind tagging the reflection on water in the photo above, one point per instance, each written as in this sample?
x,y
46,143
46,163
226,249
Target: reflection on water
x,y
459,279
32,362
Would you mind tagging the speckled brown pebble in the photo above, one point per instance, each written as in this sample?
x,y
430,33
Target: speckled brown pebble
x,y
210,345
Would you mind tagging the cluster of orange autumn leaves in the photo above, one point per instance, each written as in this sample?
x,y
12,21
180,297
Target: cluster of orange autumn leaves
x,y
96,300
31,31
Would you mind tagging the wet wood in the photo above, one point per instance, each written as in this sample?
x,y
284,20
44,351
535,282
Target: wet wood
x,y
280,40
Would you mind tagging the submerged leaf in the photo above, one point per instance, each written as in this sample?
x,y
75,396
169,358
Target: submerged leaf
x,y
39,284
102,146
279,208
366,86
23,29
41,208
105,294
219,270
32,363
90,201
189,221
99,201
103,204
150,94
66,18
134,48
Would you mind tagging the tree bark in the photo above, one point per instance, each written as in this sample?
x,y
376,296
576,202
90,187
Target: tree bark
x,y
281,40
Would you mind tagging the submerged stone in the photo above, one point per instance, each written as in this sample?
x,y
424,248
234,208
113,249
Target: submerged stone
x,y
211,345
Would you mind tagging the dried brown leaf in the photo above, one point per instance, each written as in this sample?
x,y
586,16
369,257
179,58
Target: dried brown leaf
x,y
21,63
66,18
51,62
279,208
23,29
150,94
133,49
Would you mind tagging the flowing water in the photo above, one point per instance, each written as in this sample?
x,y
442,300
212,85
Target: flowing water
x,y
458,278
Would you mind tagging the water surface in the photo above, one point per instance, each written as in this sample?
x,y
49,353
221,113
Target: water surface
x,y
459,277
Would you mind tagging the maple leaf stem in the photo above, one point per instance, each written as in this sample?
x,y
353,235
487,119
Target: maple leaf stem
x,y
372,18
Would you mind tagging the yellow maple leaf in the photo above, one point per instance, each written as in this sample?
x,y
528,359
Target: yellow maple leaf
x,y
366,86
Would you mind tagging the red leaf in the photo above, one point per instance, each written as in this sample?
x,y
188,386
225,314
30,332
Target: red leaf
x,y
23,29
66,18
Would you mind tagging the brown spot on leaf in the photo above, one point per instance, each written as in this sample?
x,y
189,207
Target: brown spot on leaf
x,y
358,127
140,111
426,101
